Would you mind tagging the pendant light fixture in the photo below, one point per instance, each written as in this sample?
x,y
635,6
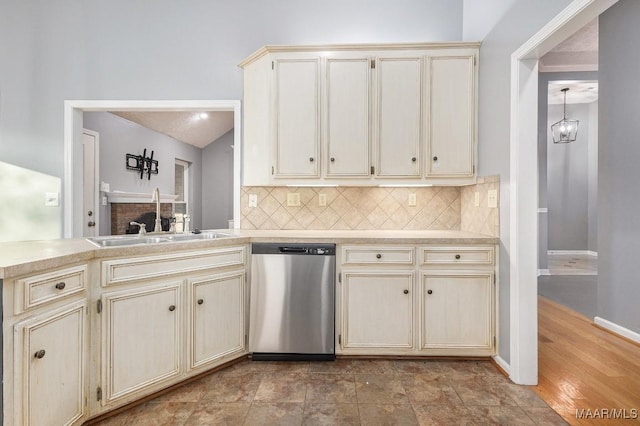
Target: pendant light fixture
x,y
565,131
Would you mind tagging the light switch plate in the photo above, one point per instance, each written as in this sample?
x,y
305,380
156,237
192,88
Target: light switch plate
x,y
412,200
104,187
293,199
492,198
476,201
253,200
322,200
52,199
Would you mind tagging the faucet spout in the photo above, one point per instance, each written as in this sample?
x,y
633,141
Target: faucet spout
x,y
156,197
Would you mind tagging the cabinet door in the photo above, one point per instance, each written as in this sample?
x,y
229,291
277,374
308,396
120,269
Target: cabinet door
x,y
457,310
216,320
347,113
297,121
50,368
451,116
399,114
141,345
377,309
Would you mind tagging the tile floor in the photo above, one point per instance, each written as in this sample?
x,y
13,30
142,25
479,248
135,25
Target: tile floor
x,y
347,392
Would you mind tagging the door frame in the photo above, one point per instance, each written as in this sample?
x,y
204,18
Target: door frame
x,y
73,121
523,186
96,179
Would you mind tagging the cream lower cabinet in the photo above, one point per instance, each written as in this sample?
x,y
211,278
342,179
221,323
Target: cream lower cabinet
x,y
216,318
142,347
457,311
441,305
50,367
377,310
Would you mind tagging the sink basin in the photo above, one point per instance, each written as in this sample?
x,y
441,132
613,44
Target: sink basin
x,y
126,241
133,240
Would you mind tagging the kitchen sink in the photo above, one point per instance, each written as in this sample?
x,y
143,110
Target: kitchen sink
x,y
133,240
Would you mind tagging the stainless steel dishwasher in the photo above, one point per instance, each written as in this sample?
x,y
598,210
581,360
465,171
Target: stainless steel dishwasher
x,y
292,301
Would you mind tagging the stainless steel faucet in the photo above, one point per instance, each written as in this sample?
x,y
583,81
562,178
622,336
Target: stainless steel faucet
x,y
156,197
143,228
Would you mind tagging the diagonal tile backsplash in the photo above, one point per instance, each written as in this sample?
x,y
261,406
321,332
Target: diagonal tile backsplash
x,y
436,208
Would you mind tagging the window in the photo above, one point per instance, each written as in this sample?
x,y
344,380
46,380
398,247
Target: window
x,y
181,187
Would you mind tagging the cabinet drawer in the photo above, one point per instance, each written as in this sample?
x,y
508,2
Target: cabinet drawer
x,y
377,255
45,288
457,256
125,270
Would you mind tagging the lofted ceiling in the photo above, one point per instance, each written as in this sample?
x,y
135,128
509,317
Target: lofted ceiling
x,y
577,53
198,128
580,92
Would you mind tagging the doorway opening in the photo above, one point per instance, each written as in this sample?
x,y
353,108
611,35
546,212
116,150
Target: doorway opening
x,y
73,180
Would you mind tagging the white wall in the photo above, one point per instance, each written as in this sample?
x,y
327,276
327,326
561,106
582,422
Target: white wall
x,y
515,26
217,182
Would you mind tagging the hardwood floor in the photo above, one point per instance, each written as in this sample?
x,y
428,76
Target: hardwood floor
x,y
582,367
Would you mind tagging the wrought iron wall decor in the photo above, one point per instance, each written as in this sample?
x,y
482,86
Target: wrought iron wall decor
x,y
142,164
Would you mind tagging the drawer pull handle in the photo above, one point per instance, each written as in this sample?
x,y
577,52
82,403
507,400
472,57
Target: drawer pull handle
x,y
200,301
379,256
61,285
406,292
429,291
39,354
457,256
172,308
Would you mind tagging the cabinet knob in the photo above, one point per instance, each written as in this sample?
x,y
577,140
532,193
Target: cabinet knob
x,y
429,291
406,291
311,159
90,213
457,256
379,256
333,159
435,158
61,285
91,224
172,308
200,301
39,354
414,159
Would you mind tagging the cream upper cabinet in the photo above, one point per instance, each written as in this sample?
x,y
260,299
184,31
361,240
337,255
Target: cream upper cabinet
x,y
398,116
451,116
365,114
347,114
50,367
297,117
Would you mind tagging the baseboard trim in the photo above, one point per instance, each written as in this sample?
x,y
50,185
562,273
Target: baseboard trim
x,y
617,329
572,252
543,272
502,364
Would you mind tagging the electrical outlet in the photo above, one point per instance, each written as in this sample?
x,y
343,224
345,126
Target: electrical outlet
x,y
322,200
293,199
104,201
253,200
492,198
412,200
476,200
52,199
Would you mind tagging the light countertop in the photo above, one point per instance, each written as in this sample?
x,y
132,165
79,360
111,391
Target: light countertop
x,y
19,258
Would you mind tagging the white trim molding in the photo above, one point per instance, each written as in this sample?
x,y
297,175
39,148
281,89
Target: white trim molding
x,y
502,364
523,185
617,329
544,272
543,210
73,110
572,253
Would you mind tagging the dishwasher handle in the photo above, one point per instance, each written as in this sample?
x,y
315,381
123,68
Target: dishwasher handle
x,y
294,250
